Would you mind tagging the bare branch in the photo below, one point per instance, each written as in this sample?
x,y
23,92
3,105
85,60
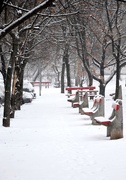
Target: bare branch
x,y
26,16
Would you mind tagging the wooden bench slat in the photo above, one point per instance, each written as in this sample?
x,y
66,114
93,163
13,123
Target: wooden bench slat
x,y
76,104
87,111
80,88
103,120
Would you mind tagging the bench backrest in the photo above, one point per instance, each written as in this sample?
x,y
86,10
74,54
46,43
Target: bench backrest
x,y
115,105
99,104
98,98
118,110
80,88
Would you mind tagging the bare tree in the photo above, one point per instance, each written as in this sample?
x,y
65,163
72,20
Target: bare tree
x,y
14,56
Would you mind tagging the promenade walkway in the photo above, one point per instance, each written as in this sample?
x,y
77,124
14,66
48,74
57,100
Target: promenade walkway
x,y
49,140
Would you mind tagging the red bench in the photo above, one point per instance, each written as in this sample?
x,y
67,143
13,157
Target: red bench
x,y
70,89
83,101
96,110
80,100
74,99
90,89
115,122
107,121
44,83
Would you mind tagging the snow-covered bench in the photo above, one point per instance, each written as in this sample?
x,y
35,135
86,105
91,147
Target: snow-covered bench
x,y
96,110
83,101
115,122
74,99
70,89
91,92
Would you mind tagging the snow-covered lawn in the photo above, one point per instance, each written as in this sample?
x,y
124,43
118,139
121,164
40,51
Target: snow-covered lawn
x,y
50,140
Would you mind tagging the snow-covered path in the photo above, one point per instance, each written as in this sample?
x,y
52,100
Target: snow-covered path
x,y
49,140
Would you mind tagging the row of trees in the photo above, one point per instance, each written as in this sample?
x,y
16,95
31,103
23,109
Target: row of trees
x,y
19,23
81,37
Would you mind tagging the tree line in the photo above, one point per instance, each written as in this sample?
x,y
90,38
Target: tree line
x,y
83,39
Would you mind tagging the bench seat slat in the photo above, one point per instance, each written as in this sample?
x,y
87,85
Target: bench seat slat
x,y
69,95
76,104
70,100
80,88
103,120
88,111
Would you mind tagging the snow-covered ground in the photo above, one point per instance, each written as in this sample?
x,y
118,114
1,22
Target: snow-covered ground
x,y
50,140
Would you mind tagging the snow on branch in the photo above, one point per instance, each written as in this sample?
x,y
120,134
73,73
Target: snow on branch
x,y
26,16
121,0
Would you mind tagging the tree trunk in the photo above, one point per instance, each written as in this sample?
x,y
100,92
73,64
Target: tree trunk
x,y
62,77
117,80
6,114
13,95
66,59
90,79
19,85
65,64
3,68
102,89
7,100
